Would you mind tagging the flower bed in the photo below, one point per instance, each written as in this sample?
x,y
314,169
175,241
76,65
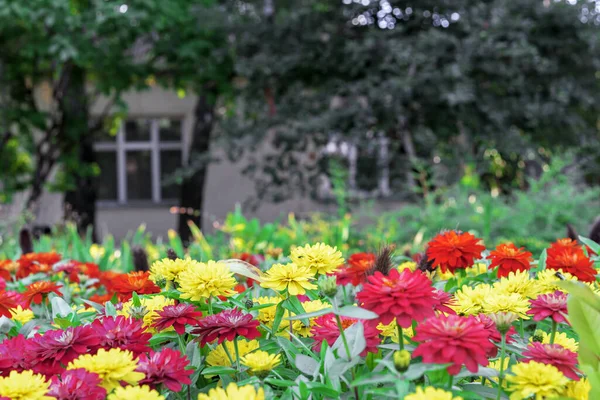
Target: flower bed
x,y
455,322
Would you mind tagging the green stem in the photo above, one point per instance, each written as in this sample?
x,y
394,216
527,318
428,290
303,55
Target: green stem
x,y
400,336
521,329
553,334
210,309
343,335
450,381
501,372
227,352
182,344
237,354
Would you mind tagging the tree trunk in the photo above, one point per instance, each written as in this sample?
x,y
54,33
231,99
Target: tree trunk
x,y
80,201
192,188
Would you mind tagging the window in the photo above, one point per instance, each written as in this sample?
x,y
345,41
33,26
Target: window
x,y
137,160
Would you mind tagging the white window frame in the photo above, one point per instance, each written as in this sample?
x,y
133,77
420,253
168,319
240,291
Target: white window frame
x,y
120,146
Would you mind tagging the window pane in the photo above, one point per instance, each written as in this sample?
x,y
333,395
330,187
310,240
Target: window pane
x,y
107,180
170,129
137,130
139,175
170,161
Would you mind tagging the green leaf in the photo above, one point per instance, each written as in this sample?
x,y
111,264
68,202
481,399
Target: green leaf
x,y
109,309
591,244
162,337
218,370
294,306
356,312
136,300
60,307
307,365
485,392
542,261
355,336
313,314
280,382
279,311
320,388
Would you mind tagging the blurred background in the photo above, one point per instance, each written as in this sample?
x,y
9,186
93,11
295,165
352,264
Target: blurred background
x,y
350,121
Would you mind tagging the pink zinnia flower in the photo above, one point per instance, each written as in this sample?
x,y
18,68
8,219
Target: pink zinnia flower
x,y
177,316
227,325
444,301
55,348
553,354
552,305
405,295
326,329
165,367
122,332
453,339
14,355
77,384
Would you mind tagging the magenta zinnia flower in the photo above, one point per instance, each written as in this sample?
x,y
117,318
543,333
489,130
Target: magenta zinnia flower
x,y
56,348
122,332
444,301
563,359
405,295
77,384
326,329
14,355
227,325
453,339
165,367
177,316
552,305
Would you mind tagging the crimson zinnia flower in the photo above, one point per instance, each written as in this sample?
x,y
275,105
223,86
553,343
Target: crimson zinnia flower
x,y
453,250
32,263
326,329
139,282
14,355
405,295
177,316
453,339
165,367
227,325
122,332
553,305
359,266
444,301
508,258
553,354
568,256
77,384
7,301
37,291
59,347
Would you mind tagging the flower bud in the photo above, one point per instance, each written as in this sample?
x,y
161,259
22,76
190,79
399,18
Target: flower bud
x,y
503,320
401,360
538,336
249,303
328,286
138,312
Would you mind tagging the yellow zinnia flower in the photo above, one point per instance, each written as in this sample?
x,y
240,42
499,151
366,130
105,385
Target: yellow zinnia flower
x,y
477,269
135,393
508,303
21,315
431,393
319,258
24,386
391,330
546,280
112,366
289,276
519,283
535,379
218,356
201,281
411,265
578,390
260,362
233,392
168,270
469,300
151,306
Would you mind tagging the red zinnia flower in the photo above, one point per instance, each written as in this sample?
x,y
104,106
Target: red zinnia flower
x,y
14,355
452,250
254,259
6,266
359,266
552,305
7,301
107,278
326,329
32,263
177,316
405,295
571,259
123,333
37,291
444,301
77,384
508,258
554,354
165,367
101,298
56,347
453,339
227,325
139,282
